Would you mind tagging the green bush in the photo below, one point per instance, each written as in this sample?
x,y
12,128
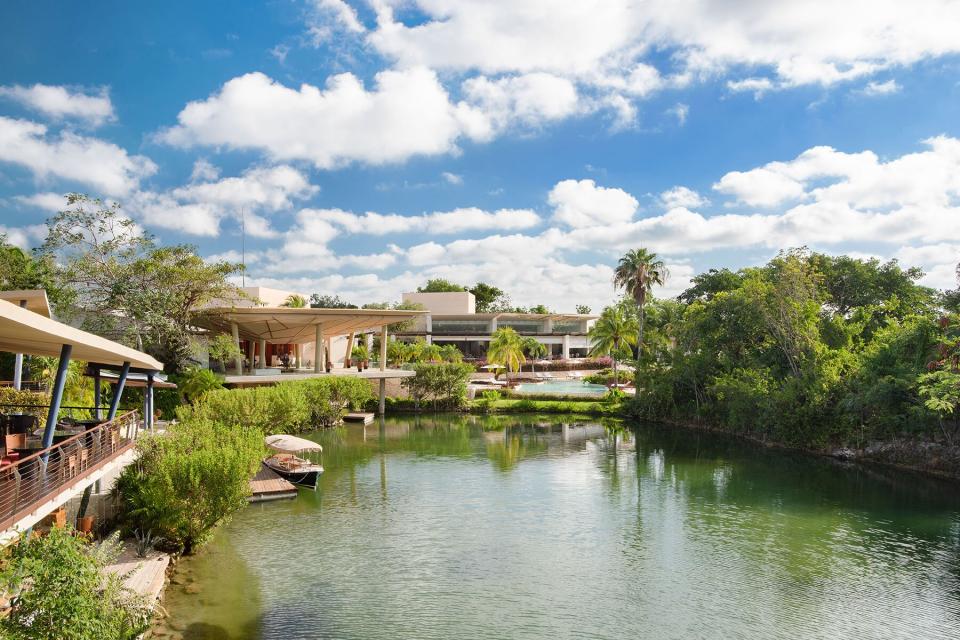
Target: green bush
x,y
196,382
188,481
59,591
32,402
288,407
445,385
605,377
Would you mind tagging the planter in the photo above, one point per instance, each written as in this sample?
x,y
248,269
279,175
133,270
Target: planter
x,y
85,524
57,519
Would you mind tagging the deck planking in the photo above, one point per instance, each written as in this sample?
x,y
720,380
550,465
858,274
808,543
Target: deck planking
x,y
267,485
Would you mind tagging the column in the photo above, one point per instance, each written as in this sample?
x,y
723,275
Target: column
x,y
566,346
318,355
328,351
18,362
493,324
238,364
348,352
369,340
250,348
118,391
428,320
298,354
56,396
383,349
149,397
548,326
263,354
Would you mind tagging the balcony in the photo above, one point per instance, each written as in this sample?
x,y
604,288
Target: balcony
x,y
33,478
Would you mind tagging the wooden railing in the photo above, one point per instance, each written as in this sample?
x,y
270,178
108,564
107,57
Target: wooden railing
x,y
27,483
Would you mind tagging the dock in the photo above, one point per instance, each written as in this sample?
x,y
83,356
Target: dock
x,y
143,576
364,418
267,485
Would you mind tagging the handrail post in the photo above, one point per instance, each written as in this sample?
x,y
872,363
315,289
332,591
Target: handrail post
x,y
56,395
121,381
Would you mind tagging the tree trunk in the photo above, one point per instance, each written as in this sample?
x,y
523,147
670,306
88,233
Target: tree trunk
x,y
616,349
640,335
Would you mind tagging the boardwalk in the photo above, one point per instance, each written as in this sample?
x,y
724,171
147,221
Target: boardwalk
x,y
145,576
267,485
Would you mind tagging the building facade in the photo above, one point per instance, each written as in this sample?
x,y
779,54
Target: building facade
x,y
452,319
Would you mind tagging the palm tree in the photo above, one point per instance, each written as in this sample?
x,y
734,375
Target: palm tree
x,y
614,330
636,273
534,348
506,348
450,353
295,302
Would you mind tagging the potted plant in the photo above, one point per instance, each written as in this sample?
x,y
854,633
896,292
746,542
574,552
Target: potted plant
x,y
359,354
85,525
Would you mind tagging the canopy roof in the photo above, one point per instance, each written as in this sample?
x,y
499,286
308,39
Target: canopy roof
x,y
290,326
290,444
35,299
133,379
23,331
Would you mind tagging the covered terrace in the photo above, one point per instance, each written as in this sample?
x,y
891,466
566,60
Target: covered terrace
x,y
47,460
311,334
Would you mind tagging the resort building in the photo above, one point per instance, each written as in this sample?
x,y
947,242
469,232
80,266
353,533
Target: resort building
x,y
452,318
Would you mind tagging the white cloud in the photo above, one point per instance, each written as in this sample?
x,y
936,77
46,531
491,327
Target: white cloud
x,y
199,207
581,203
439,222
531,99
681,196
799,41
89,161
881,88
408,113
681,112
452,178
342,12
24,237
758,86
761,187
60,102
48,200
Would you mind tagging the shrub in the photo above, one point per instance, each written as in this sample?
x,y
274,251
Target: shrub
x,y
60,592
444,384
487,400
188,481
25,401
195,382
605,377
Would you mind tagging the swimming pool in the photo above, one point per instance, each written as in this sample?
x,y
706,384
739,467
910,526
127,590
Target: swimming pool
x,y
562,388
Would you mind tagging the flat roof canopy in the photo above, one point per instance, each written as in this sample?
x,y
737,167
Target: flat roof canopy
x,y
291,326
23,331
36,300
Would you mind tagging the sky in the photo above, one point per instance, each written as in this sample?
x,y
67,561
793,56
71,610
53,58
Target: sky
x,y
359,147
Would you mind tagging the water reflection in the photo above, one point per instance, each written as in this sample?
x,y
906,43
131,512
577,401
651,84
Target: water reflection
x,y
435,526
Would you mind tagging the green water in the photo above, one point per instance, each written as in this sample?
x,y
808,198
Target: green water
x,y
521,528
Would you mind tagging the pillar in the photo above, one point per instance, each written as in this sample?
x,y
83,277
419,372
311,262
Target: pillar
x,y
318,355
118,391
548,325
429,323
328,350
566,347
250,348
348,353
238,364
298,354
18,362
96,393
369,341
56,395
383,351
263,354
493,324
149,396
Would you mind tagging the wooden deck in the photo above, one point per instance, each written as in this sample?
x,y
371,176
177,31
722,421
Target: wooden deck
x,y
144,576
267,485
365,418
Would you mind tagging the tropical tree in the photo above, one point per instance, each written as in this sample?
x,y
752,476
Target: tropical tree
x,y
488,297
450,353
506,348
612,335
637,272
440,285
295,301
534,348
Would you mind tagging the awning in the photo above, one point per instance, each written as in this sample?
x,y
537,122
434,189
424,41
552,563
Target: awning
x,y
290,444
291,326
35,299
23,331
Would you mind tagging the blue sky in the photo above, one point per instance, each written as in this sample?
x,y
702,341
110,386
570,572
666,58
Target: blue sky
x,y
370,145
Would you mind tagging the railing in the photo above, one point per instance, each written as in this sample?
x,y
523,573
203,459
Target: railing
x,y
26,385
28,482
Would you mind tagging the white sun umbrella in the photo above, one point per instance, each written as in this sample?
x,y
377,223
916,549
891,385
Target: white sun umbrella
x,y
290,444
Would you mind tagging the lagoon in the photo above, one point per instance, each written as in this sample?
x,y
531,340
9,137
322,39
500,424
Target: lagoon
x,y
543,528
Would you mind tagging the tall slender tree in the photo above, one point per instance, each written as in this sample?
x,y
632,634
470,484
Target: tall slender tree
x,y
637,272
614,331
506,348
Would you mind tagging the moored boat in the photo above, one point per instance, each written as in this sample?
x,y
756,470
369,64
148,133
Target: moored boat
x,y
290,466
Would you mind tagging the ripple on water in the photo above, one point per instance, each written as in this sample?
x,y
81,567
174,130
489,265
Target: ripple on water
x,y
433,532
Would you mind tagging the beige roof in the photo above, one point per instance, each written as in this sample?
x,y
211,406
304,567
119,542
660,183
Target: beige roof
x,y
36,300
286,325
23,331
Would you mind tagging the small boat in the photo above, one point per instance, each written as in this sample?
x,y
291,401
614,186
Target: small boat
x,y
290,466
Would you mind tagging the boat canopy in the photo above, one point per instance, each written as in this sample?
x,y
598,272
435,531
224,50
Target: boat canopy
x,y
290,444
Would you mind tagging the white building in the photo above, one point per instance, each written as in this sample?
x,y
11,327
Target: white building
x,y
452,319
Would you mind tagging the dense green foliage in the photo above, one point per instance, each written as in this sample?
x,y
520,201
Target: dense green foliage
x,y
443,385
288,407
506,348
324,301
440,285
189,480
59,592
810,350
607,377
613,333
419,351
196,382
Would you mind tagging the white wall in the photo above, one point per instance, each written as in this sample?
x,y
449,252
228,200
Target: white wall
x,y
445,303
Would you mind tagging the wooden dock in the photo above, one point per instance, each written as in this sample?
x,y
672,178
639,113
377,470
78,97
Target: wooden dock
x,y
144,576
365,418
267,485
